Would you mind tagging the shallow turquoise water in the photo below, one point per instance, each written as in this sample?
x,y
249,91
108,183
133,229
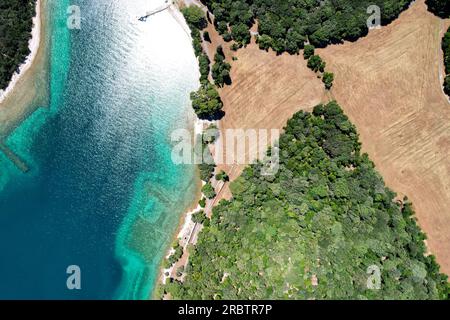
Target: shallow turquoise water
x,y
102,192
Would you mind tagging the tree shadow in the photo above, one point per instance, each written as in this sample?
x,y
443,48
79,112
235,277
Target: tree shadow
x,y
440,8
216,116
227,80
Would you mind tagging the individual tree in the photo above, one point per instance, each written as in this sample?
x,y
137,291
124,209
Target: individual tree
x,y
206,102
447,85
316,63
196,41
446,41
221,73
204,63
208,191
207,164
221,68
175,256
222,27
446,49
308,51
222,176
199,217
240,34
206,171
328,79
195,16
211,134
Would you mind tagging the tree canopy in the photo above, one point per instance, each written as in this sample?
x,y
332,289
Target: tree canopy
x,y
440,8
221,69
308,51
195,17
327,79
285,25
314,230
206,100
446,49
16,22
208,191
316,63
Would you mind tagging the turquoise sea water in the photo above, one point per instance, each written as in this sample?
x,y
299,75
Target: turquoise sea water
x,y
102,192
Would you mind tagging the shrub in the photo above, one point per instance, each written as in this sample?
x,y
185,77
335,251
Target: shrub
x,y
206,101
308,51
208,191
328,79
316,63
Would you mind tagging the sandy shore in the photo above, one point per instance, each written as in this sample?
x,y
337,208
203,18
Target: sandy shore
x,y
34,47
186,226
29,89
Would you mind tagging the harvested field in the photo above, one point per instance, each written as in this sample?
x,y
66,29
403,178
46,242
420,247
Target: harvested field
x,y
266,91
388,83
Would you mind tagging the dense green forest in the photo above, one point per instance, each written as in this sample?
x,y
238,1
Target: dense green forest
x,y
206,100
221,69
16,22
440,8
314,229
285,25
446,49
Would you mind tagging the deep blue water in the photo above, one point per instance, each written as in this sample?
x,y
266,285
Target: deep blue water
x,y
102,192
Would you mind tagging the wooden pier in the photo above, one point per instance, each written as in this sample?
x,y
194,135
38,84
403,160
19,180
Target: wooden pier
x,y
157,10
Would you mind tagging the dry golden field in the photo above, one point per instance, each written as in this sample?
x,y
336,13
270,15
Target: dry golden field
x,y
266,91
388,83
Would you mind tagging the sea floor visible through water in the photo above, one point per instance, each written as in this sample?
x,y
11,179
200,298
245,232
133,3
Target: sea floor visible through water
x,y
101,192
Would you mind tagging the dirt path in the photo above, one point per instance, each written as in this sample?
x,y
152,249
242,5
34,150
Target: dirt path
x,y
30,89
